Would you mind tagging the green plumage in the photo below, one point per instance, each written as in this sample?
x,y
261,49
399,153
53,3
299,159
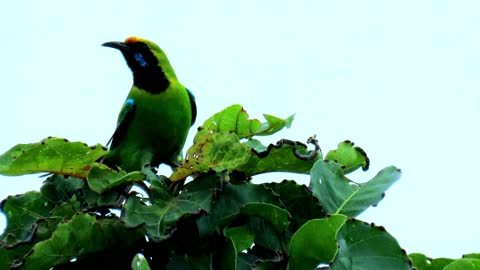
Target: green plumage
x,y
154,121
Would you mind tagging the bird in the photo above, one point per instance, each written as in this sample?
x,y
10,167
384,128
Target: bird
x,y
157,114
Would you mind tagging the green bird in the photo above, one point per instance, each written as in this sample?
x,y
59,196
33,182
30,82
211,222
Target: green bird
x,y
155,119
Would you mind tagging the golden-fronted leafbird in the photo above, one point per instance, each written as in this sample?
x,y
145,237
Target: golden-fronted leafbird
x,y
155,119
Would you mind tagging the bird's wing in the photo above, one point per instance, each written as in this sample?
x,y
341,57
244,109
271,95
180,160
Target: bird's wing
x,y
193,105
124,119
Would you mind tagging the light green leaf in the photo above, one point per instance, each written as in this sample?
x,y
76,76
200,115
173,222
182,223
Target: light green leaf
x,y
235,119
212,151
464,264
140,263
338,195
349,157
314,243
53,155
422,262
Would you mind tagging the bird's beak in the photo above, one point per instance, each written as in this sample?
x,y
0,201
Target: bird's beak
x,y
117,45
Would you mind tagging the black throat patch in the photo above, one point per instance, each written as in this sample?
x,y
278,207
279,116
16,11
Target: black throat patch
x,y
151,79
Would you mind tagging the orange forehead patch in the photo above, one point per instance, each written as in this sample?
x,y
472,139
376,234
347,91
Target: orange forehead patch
x,y
132,40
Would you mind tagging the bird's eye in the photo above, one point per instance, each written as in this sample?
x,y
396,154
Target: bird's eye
x,y
140,60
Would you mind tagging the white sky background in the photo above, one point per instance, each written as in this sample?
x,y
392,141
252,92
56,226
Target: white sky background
x,y
399,79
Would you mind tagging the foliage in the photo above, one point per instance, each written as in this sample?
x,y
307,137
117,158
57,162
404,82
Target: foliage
x,y
208,214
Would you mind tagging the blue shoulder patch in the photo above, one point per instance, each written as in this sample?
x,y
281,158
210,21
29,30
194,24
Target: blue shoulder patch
x,y
130,102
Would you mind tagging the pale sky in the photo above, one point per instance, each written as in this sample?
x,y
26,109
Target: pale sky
x,y
399,78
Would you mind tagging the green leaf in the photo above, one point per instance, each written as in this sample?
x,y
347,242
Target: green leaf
x,y
226,256
58,188
315,243
53,155
246,261
298,201
23,212
232,198
242,238
235,119
284,156
191,262
140,263
349,157
103,179
217,146
472,256
274,124
338,195
422,262
277,216
464,264
212,151
364,247
164,210
81,236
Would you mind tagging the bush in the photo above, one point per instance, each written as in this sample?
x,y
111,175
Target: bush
x,y
217,219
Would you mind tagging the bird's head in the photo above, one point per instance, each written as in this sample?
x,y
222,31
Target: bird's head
x,y
147,61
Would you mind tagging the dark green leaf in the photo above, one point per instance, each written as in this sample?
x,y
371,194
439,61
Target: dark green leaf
x,y
284,156
232,198
269,244
225,257
82,235
277,216
103,179
298,201
338,195
54,155
23,212
191,262
241,237
315,243
364,247
58,188
164,210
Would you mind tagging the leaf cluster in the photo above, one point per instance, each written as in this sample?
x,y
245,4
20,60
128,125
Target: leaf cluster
x,y
208,214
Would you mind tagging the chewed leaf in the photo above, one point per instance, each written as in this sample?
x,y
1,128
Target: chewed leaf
x,y
52,155
223,152
212,151
284,156
349,157
235,119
